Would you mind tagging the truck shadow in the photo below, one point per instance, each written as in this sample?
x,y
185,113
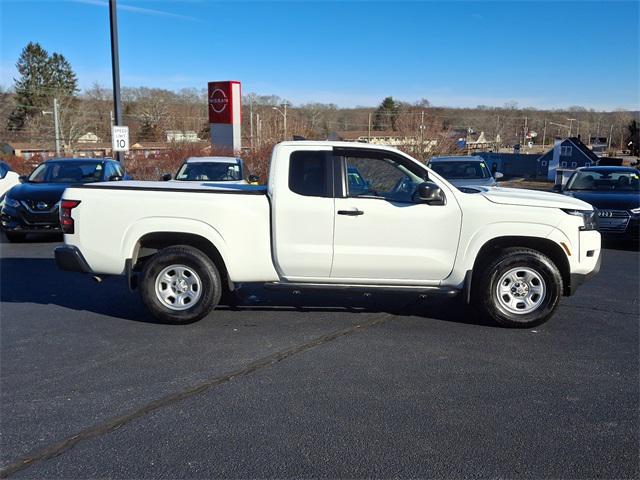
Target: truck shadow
x,y
39,281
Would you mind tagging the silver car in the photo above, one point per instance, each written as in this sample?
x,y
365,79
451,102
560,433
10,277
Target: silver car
x,y
465,171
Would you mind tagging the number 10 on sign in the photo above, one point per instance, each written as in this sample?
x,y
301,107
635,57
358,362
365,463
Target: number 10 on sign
x,y
120,138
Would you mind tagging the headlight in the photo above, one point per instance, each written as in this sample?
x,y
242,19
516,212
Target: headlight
x,y
11,202
589,218
635,211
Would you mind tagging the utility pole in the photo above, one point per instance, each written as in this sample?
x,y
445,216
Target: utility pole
x,y
544,133
251,120
56,125
258,129
369,125
115,69
421,132
610,135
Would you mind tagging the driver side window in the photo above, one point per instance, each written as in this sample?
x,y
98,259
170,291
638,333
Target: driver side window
x,y
379,177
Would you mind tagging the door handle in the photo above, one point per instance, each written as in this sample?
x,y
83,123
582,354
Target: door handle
x,y
352,213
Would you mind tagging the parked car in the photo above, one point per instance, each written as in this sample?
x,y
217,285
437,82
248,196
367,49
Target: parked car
x,y
512,253
32,206
464,171
211,169
8,179
614,192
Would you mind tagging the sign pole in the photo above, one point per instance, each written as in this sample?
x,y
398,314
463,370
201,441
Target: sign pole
x,y
115,71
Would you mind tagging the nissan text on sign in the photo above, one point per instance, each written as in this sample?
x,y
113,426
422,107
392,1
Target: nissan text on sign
x,y
225,114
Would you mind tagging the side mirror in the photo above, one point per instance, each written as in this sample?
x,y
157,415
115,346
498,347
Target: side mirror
x,y
23,178
557,187
166,177
430,193
115,178
254,178
498,175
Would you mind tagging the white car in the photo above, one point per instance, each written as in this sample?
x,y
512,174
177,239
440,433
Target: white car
x,y
229,170
465,171
8,179
398,226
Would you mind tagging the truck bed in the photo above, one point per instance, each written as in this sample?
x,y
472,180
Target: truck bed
x,y
112,218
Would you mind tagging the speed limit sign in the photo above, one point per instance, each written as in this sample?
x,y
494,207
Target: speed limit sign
x,y
120,138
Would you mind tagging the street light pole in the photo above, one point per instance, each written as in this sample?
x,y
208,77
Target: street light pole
x,y
571,120
284,116
115,70
56,124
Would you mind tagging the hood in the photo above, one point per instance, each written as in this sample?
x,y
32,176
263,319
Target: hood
x,y
607,200
532,198
472,182
47,192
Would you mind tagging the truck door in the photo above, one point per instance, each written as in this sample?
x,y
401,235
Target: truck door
x,y
303,207
381,232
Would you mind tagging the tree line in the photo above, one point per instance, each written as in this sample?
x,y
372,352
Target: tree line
x,y
25,114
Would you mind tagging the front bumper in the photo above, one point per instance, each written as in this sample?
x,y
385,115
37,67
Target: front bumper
x,y
577,279
70,259
21,220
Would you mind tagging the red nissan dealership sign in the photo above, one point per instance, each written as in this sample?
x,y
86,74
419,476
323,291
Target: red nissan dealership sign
x,y
222,101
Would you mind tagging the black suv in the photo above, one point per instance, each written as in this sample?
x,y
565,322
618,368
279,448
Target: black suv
x,y
615,193
32,206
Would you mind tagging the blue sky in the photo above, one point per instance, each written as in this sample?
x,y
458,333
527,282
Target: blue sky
x,y
541,54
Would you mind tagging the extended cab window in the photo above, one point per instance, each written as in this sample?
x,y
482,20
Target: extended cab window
x,y
310,173
380,177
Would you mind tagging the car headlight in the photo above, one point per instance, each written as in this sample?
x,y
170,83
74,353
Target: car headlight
x,y
11,202
589,218
635,211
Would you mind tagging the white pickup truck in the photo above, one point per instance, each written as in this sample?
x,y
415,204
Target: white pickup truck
x,y
333,215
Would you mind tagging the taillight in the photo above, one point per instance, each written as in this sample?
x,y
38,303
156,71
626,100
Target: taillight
x,y
66,221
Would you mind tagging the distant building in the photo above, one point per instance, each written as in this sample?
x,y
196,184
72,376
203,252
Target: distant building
x,y
27,150
599,144
182,136
569,153
89,137
389,137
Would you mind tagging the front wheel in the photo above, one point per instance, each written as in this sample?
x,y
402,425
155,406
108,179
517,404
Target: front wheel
x,y
180,284
520,288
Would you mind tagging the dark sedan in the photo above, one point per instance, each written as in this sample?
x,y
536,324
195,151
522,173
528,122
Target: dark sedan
x,y
32,206
615,193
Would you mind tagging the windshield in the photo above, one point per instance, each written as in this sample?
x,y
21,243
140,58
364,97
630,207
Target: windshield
x,y
67,172
461,170
202,171
604,180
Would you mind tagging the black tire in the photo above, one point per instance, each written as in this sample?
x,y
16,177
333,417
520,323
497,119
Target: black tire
x,y
194,260
16,237
485,288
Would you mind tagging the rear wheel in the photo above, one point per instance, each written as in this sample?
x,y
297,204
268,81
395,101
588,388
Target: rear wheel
x,y
520,288
180,284
15,237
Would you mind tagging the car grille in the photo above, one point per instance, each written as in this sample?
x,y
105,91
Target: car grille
x,y
613,220
39,206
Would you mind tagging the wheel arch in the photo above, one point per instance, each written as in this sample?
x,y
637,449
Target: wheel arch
x,y
160,240
543,245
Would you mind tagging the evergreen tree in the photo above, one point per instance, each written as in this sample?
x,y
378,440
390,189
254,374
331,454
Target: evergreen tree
x,y
386,115
42,77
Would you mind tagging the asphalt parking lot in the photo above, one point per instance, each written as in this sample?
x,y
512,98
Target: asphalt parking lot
x,y
305,386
